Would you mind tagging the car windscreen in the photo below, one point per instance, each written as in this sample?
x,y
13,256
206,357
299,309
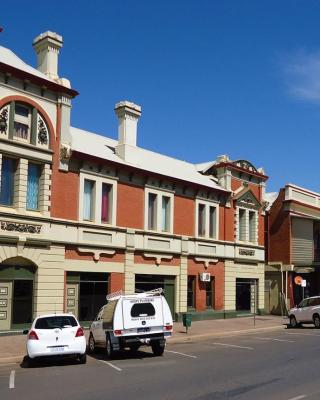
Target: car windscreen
x,y
57,321
142,310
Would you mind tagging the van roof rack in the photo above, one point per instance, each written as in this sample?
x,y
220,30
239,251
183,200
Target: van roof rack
x,y
119,293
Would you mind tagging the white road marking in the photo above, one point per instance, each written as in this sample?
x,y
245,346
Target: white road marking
x,y
303,396
181,354
111,365
233,345
276,340
303,334
11,379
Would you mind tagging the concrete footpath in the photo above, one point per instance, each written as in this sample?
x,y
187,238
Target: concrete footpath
x,y
13,348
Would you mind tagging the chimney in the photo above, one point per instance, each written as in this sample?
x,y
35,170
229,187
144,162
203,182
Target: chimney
x,y
47,46
128,115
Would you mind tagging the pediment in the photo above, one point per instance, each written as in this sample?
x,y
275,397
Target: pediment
x,y
248,199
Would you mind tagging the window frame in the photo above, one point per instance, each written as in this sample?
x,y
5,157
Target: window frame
x,y
15,167
40,170
160,194
207,205
20,119
97,199
247,234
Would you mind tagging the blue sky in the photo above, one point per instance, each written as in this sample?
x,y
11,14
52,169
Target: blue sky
x,y
213,77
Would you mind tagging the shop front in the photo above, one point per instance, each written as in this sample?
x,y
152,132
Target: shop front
x,y
85,294
16,294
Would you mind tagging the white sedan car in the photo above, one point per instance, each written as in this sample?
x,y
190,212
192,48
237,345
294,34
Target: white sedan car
x,y
307,312
55,335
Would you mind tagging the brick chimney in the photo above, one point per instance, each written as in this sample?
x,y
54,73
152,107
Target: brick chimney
x,y
47,46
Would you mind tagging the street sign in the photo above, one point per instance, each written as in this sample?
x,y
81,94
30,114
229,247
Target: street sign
x,y
303,283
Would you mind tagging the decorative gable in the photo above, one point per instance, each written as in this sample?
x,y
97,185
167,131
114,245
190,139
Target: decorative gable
x,y
248,199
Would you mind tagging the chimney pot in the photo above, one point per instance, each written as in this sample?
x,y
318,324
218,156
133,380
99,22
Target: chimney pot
x,y
128,115
47,46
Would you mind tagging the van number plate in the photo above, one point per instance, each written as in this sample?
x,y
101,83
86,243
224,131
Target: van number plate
x,y
143,329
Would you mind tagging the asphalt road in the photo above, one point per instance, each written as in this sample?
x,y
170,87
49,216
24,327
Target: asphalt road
x,y
281,365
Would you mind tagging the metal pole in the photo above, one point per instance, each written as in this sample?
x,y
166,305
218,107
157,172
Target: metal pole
x,y
255,302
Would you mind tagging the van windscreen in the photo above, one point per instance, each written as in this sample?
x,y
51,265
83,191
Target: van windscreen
x,y
142,310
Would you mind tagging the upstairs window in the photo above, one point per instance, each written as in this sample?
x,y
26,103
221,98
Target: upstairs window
x,y
33,186
158,213
106,203
207,219
98,199
88,200
8,170
247,225
22,123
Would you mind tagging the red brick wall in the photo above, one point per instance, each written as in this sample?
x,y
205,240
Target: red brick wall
x,y
226,224
279,231
261,231
216,271
116,282
184,216
130,207
64,185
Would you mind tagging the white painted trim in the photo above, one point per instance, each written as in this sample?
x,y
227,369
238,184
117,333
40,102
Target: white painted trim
x,y
159,194
207,204
247,227
97,195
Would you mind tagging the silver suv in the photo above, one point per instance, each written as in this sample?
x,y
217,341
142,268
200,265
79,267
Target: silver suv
x,y
307,312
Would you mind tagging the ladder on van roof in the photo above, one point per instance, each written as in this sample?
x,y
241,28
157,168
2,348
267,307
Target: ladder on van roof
x,y
120,293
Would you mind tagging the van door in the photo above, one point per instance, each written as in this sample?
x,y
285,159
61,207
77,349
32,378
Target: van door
x,y
143,312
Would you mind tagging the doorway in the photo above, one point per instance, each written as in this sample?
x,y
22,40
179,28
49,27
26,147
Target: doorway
x,y
246,295
150,282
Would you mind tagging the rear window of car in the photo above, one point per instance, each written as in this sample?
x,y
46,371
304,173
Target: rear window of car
x,y
142,310
56,322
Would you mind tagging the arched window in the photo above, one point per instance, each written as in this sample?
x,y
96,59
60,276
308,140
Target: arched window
x,y
24,123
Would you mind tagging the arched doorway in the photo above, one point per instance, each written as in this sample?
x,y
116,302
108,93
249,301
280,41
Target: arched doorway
x,y
16,293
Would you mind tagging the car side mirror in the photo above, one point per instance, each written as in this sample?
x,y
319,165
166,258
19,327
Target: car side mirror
x,y
25,331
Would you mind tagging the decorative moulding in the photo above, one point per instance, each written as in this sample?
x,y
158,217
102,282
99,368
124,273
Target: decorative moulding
x,y
96,253
206,261
18,227
158,257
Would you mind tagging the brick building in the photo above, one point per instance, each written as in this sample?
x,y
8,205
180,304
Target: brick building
x,y
293,247
82,215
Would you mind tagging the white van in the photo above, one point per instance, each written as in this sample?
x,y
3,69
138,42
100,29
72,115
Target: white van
x,y
130,321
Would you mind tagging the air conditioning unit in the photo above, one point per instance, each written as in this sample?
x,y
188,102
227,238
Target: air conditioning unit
x,y
205,276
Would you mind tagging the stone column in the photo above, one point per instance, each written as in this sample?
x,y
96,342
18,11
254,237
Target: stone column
x,y
129,276
45,192
183,278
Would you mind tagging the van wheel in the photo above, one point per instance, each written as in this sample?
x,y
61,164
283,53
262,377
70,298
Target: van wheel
x,y
109,347
91,344
316,321
157,348
293,322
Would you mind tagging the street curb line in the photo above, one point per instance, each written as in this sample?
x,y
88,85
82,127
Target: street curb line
x,y
223,334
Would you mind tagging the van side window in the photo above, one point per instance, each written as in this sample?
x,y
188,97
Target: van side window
x,y
142,310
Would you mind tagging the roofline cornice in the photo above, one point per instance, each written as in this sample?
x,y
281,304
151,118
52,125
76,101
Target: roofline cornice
x,y
55,87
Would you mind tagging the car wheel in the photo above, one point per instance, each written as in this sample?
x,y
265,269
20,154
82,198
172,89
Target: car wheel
x,y
109,347
30,362
82,358
316,321
293,322
91,344
157,348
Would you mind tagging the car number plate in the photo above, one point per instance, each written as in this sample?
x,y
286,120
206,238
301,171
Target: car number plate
x,y
58,348
143,329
